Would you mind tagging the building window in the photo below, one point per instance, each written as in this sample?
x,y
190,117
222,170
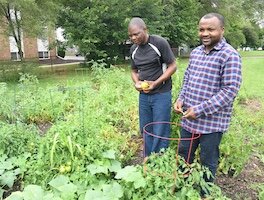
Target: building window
x,y
15,56
43,54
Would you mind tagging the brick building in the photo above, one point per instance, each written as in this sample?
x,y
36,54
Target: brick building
x,y
33,48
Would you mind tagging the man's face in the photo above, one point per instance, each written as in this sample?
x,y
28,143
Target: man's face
x,y
137,35
210,32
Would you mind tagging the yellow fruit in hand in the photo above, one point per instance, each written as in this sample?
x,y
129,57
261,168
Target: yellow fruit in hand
x,y
144,85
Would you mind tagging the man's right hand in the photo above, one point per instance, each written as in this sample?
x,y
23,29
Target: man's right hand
x,y
178,106
138,86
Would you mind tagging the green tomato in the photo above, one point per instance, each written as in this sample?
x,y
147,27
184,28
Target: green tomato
x,y
68,168
62,169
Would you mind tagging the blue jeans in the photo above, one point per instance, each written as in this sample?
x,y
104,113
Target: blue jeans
x,y
209,144
155,108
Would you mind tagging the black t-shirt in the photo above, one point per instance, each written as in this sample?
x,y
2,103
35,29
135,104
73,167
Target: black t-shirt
x,y
149,63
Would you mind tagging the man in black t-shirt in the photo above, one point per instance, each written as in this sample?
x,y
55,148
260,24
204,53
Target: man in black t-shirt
x,y
153,63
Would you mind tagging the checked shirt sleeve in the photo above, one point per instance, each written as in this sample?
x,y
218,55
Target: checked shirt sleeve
x,y
230,83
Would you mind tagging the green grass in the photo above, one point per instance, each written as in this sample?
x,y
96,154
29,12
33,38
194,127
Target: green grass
x,y
251,53
253,72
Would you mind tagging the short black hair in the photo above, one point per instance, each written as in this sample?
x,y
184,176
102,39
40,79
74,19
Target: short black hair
x,y
217,15
137,21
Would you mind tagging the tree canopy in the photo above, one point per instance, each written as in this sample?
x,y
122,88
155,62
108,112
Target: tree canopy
x,y
99,28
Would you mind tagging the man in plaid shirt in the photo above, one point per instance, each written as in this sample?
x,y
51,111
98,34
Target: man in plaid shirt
x,y
211,83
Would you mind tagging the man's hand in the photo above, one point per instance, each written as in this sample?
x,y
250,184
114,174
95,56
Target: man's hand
x,y
151,84
189,114
138,86
178,106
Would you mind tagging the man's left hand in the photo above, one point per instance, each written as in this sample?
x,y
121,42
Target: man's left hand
x,y
189,114
152,85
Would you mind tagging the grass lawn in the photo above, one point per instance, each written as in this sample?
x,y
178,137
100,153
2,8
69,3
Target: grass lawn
x,y
251,53
253,72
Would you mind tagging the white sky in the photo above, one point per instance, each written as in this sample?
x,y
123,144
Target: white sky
x,y
59,34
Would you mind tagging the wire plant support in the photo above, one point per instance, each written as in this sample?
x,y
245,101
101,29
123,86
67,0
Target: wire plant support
x,y
194,137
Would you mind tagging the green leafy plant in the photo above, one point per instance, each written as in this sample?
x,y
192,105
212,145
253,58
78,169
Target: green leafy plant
x,y
9,173
168,176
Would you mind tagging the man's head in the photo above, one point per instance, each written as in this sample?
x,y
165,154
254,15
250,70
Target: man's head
x,y
137,31
211,29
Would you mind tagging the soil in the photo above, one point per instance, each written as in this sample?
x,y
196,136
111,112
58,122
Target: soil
x,y
16,187
44,127
244,186
252,105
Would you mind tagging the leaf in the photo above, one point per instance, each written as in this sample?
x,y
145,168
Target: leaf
x,y
33,192
50,196
3,158
15,196
94,195
62,184
17,171
113,191
68,190
8,179
140,182
59,181
96,169
122,173
130,174
6,165
115,166
109,154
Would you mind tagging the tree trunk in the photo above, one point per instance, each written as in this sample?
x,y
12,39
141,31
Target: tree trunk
x,y
14,26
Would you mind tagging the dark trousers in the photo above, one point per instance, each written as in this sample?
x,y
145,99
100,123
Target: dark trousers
x,y
209,145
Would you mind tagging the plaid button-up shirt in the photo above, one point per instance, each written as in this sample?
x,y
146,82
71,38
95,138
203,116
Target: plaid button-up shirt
x,y
211,83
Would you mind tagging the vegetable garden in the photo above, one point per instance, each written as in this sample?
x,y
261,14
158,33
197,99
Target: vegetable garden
x,y
77,137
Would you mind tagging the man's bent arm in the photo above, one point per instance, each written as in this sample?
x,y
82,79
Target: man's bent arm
x,y
171,68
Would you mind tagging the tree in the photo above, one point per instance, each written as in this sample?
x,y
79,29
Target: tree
x,y
238,14
27,17
100,27
252,38
96,27
261,37
254,10
180,19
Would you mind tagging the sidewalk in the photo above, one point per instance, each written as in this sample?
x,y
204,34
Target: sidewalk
x,y
58,61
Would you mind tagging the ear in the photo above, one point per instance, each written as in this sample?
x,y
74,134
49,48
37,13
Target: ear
x,y
223,30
